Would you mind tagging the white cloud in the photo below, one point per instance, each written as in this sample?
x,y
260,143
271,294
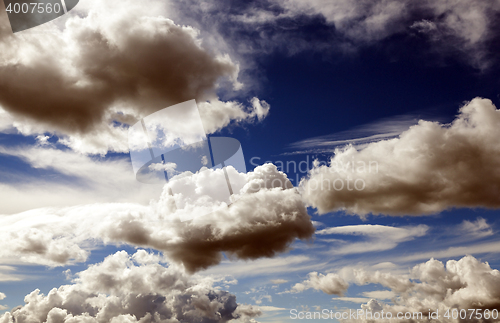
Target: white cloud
x,y
455,251
358,20
329,284
264,221
2,307
77,179
120,289
430,168
378,237
478,229
464,284
380,294
5,274
264,267
359,137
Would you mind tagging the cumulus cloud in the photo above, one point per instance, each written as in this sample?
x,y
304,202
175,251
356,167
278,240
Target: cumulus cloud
x,y
266,218
2,307
429,168
124,288
107,67
464,284
329,284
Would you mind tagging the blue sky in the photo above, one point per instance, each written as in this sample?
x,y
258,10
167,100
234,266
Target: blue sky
x,y
413,88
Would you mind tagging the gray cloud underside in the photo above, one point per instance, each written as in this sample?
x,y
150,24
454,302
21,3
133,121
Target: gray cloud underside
x,y
265,220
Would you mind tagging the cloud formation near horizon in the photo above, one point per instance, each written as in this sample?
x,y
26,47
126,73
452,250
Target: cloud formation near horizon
x,y
429,168
133,288
464,284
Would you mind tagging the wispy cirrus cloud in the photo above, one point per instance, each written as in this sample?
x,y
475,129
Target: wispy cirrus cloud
x,y
377,237
358,137
463,29
71,179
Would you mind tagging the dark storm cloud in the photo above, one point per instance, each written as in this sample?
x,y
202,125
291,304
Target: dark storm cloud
x,y
70,80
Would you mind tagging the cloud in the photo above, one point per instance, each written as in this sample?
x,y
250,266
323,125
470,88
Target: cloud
x,y
429,168
455,251
478,229
5,276
124,289
2,307
359,137
329,284
67,178
380,294
458,26
379,237
264,221
352,299
279,281
269,308
107,67
464,284
264,267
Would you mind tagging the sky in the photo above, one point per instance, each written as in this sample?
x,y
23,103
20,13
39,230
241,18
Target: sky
x,y
370,133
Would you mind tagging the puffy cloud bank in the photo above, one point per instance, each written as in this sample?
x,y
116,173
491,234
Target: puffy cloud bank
x,y
464,284
429,168
132,288
266,218
329,284
112,61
